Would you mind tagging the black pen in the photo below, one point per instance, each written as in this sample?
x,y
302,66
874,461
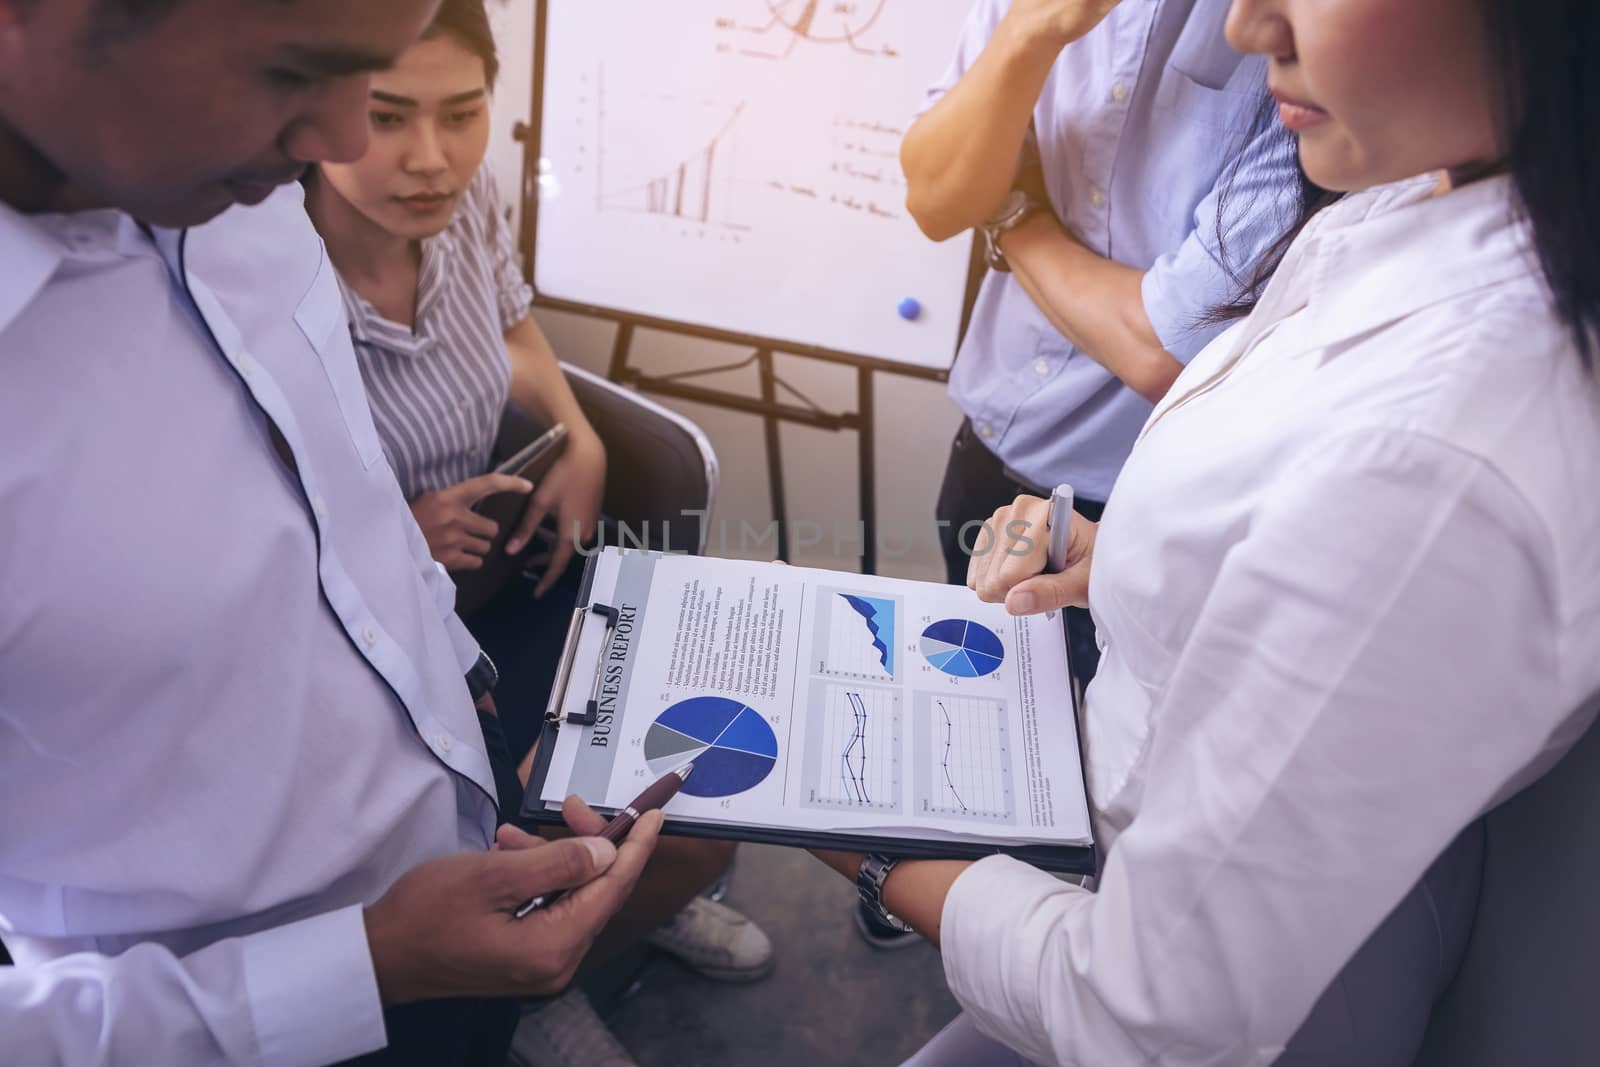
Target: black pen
x,y
652,798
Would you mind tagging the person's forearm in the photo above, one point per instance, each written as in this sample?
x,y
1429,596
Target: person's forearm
x,y
1096,303
915,890
538,383
962,156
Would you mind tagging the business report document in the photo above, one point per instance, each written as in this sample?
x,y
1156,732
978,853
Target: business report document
x,y
817,702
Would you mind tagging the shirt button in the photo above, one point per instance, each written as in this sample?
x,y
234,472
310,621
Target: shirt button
x,y
986,431
319,507
369,635
243,363
1097,198
1119,91
444,742
1041,368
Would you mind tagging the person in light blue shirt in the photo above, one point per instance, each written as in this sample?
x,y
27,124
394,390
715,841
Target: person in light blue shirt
x,y
1088,139
251,811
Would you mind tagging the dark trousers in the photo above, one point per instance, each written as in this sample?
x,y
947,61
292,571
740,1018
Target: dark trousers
x,y
524,637
975,485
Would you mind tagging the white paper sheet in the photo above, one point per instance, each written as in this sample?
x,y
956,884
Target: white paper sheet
x,y
821,701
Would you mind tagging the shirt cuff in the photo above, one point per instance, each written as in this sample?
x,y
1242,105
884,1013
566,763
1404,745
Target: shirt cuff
x,y
312,990
461,639
1178,293
985,974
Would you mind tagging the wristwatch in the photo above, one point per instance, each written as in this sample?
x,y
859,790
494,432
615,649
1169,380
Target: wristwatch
x,y
483,677
870,876
1017,209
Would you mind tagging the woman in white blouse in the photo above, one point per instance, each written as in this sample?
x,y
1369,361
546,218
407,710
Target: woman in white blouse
x,y
1348,584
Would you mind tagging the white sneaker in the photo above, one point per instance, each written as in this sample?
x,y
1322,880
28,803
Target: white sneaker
x,y
566,1031
715,941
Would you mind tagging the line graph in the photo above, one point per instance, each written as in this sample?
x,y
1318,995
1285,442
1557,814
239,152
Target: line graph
x,y
853,760
853,748
963,758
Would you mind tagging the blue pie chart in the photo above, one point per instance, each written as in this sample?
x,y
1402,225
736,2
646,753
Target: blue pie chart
x,y
732,746
963,648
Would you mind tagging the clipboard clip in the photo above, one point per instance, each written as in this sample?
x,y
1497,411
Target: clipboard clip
x,y
591,710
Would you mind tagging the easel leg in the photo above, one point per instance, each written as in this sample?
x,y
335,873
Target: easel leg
x,y
866,433
780,510
619,352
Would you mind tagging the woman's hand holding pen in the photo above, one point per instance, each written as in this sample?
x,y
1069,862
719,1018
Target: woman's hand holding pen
x,y
1009,560
445,929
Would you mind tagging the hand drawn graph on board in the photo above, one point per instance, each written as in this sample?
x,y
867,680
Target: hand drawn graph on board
x,y
784,24
668,156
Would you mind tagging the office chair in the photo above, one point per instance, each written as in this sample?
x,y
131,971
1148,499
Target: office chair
x,y
661,471
1526,992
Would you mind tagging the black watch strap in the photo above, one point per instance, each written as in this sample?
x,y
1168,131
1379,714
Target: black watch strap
x,y
870,876
483,677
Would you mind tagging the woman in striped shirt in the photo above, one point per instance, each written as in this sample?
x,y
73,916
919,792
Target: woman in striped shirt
x,y
440,316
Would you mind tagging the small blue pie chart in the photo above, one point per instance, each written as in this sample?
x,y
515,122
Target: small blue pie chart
x,y
963,648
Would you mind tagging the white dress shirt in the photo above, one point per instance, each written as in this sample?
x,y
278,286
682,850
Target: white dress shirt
x,y
232,706
1349,591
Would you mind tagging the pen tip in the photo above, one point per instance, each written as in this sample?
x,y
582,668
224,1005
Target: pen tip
x,y
683,772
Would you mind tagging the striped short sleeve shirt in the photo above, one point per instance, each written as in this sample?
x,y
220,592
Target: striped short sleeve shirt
x,y
438,388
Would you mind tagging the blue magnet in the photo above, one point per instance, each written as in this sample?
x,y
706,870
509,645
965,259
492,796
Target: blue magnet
x,y
910,309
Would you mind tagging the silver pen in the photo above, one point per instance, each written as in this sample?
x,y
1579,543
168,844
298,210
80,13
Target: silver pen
x,y
1059,528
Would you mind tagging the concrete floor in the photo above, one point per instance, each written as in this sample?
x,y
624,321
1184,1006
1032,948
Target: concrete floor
x,y
833,1000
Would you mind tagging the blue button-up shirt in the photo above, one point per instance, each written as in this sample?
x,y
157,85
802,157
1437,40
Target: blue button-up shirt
x,y
1135,129
232,706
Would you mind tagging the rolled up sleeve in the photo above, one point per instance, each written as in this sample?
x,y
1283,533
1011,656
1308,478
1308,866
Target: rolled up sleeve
x,y
1252,205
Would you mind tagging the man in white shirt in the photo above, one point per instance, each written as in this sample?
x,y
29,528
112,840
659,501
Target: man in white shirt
x,y
250,802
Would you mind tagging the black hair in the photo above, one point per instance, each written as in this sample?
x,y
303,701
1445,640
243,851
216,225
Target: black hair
x,y
1550,111
468,23
1551,99
1310,199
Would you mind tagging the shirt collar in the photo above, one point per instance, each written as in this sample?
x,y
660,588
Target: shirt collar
x,y
1390,252
32,255
369,327
37,245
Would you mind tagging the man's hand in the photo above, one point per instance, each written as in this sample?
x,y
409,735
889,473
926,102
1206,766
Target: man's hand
x,y
457,536
1009,559
572,489
1057,22
445,929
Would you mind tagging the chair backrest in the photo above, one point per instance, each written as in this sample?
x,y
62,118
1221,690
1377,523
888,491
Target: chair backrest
x,y
661,472
1527,989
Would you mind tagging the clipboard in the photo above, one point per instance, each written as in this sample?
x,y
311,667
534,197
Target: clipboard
x,y
1058,859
